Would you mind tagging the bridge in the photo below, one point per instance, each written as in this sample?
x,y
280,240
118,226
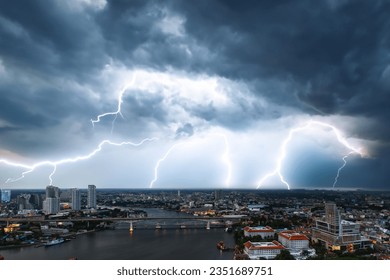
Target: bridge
x,y
118,219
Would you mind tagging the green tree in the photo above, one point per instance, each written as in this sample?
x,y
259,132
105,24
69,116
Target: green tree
x,y
284,255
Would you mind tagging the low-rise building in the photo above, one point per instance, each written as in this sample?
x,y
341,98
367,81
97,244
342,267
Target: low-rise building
x,y
262,250
264,232
293,240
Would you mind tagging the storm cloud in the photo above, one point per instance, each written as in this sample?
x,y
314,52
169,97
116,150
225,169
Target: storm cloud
x,y
190,70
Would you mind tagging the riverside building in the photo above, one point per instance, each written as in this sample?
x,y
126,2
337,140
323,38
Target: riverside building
x,y
336,233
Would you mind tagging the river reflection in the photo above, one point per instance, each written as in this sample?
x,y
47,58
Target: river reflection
x,y
141,244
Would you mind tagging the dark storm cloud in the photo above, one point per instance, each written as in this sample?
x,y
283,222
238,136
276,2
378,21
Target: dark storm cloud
x,y
337,52
46,38
311,57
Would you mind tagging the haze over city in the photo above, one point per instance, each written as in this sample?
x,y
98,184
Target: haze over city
x,y
194,94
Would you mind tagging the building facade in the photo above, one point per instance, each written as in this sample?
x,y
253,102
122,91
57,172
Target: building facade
x,y
262,250
337,233
264,232
293,240
91,196
53,192
51,204
76,199
5,196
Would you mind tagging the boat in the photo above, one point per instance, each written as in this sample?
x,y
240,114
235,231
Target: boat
x,y
182,226
158,226
54,242
220,245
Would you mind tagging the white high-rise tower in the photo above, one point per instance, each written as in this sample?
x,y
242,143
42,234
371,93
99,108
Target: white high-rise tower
x,y
76,199
91,196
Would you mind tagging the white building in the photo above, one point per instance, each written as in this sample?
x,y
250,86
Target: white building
x,y
266,250
51,205
76,199
91,196
5,195
336,233
293,240
264,232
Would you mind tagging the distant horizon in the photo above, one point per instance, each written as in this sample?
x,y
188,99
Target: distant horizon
x,y
207,189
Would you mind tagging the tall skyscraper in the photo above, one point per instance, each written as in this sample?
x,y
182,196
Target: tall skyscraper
x,y
51,205
337,233
5,195
52,192
76,199
91,196
332,214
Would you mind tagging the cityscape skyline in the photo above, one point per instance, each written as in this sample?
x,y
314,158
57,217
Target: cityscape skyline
x,y
139,94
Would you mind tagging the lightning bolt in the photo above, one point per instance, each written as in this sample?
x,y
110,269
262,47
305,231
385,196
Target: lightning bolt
x,y
283,152
226,159
341,168
31,168
119,106
157,166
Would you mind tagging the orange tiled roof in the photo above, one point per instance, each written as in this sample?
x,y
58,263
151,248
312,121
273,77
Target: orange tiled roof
x,y
292,235
264,245
262,229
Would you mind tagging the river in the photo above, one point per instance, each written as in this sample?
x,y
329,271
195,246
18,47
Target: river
x,y
142,244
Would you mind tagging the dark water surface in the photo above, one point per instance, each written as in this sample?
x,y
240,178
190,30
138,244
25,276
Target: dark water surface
x,y
142,244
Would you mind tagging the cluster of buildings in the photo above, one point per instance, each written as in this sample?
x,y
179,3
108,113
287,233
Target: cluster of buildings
x,y
296,243
331,230
50,202
360,219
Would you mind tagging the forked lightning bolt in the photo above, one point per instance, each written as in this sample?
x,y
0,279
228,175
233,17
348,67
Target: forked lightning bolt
x,y
31,168
159,162
277,171
119,107
341,168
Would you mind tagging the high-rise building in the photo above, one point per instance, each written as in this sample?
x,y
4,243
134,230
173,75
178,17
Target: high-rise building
x,y
36,201
91,196
51,204
5,195
337,233
23,201
76,199
52,192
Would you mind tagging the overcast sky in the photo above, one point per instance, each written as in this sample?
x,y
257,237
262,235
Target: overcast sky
x,y
222,90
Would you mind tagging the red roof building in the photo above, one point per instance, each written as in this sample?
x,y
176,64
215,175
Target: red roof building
x,y
262,250
264,232
293,240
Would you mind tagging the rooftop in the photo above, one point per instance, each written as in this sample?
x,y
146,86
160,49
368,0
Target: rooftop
x,y
263,245
259,229
292,235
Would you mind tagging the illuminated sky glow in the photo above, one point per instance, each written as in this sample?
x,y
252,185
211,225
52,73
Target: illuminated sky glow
x,y
220,94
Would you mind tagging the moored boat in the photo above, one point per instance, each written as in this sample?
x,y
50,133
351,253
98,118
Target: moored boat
x,y
54,242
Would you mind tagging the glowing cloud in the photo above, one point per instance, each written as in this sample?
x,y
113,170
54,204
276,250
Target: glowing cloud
x,y
31,168
283,150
